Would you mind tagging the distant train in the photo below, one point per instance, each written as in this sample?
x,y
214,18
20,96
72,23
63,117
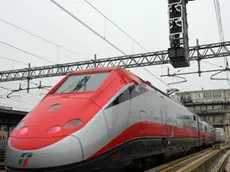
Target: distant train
x,y
103,118
220,135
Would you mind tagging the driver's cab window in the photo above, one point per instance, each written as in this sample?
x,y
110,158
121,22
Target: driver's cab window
x,y
82,83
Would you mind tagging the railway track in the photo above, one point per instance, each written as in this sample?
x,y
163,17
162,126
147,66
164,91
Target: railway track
x,y
182,163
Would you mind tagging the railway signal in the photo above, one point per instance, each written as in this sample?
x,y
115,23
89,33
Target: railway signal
x,y
178,33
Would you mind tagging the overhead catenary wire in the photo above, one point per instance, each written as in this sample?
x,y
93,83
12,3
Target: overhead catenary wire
x,y
128,36
114,24
32,95
44,39
213,64
6,58
19,101
59,46
27,52
156,77
88,27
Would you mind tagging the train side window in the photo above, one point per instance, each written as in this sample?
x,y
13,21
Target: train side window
x,y
122,97
205,128
136,90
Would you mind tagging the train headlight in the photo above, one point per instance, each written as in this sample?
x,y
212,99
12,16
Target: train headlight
x,y
54,129
23,131
73,124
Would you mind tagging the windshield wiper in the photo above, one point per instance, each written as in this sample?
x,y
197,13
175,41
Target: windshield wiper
x,y
76,83
81,83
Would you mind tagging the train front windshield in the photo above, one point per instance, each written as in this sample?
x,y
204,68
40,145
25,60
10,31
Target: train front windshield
x,y
82,83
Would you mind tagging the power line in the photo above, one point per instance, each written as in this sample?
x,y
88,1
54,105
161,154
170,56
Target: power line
x,y
88,27
184,68
213,64
128,36
32,97
12,60
30,94
39,37
155,76
26,52
115,25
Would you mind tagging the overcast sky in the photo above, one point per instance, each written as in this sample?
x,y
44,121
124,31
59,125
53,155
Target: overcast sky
x,y
145,20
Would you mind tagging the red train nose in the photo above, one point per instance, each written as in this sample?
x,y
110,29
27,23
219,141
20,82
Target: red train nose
x,y
56,117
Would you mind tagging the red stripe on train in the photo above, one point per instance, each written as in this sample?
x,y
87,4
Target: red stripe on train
x,y
151,129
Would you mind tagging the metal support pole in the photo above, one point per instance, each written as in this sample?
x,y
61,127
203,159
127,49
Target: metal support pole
x,y
199,59
8,129
28,79
95,60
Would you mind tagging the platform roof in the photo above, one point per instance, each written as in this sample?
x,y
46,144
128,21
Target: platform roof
x,y
10,116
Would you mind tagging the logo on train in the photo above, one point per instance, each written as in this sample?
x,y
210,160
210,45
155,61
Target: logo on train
x,y
24,159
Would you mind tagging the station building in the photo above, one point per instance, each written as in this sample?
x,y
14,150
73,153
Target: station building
x,y
213,106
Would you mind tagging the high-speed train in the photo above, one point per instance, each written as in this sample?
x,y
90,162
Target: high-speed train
x,y
102,118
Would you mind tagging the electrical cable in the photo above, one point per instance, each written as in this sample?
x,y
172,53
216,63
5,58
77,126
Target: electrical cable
x,y
25,51
12,60
39,37
88,27
115,24
128,36
155,77
17,101
184,68
30,94
213,64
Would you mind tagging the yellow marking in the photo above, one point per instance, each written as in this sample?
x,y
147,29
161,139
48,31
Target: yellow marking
x,y
194,162
175,165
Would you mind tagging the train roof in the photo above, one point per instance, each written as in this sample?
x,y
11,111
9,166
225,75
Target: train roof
x,y
95,70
